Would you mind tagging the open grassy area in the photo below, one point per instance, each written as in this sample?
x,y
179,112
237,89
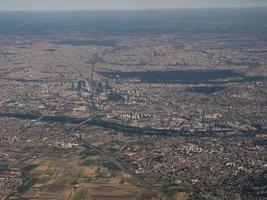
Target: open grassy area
x,y
88,162
29,167
81,194
27,185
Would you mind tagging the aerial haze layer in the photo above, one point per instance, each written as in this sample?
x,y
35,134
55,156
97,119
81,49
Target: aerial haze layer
x,y
123,4
124,100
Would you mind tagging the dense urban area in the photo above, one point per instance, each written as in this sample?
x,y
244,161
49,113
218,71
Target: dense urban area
x,y
133,116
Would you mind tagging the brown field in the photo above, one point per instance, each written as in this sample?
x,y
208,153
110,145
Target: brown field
x,y
88,171
40,169
63,177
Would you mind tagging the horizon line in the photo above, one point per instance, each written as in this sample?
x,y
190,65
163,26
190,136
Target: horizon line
x,y
134,9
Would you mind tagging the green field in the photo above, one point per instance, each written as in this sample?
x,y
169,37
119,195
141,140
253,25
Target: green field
x,y
88,162
81,194
29,167
27,185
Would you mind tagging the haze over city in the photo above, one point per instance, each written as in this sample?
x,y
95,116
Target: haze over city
x,y
133,99
48,5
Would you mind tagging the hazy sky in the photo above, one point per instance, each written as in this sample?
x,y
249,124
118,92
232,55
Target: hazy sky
x,y
122,4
